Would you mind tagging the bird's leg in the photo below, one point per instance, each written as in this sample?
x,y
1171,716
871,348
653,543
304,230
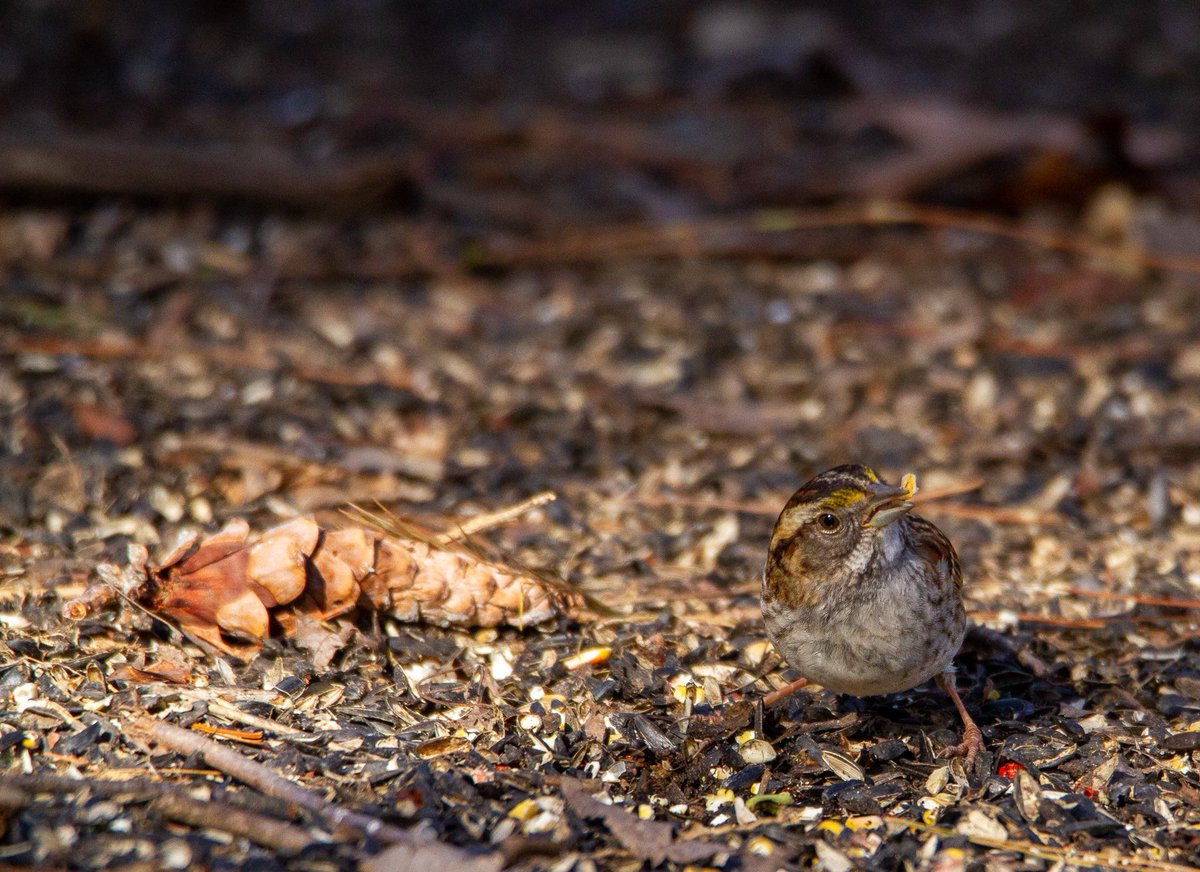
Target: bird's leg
x,y
776,695
972,740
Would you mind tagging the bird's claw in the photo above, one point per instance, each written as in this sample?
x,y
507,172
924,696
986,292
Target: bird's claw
x,y
969,747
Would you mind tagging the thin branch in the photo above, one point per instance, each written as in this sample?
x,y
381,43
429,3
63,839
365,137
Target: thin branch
x,y
1047,620
993,514
117,165
233,713
746,507
955,489
166,799
246,737
272,833
266,781
932,502
1166,602
489,520
736,236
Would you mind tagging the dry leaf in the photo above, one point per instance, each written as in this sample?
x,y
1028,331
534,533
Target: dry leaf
x,y
321,642
162,670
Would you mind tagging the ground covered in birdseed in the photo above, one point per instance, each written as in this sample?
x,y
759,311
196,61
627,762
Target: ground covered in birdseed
x,y
585,296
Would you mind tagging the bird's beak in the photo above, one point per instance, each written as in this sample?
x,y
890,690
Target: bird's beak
x,y
886,503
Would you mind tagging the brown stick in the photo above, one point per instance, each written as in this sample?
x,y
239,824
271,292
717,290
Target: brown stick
x,y
929,494
1048,620
488,520
266,781
214,814
107,165
748,507
91,600
931,504
1166,602
233,713
45,782
731,236
994,514
259,829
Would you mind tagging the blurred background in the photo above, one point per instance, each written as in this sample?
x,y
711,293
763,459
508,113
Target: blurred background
x,y
530,114
667,260
267,257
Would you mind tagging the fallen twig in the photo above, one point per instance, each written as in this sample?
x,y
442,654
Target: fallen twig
x,y
1166,602
274,834
233,713
110,165
734,236
246,737
994,514
490,520
944,138
747,507
165,798
955,489
266,781
1048,620
932,502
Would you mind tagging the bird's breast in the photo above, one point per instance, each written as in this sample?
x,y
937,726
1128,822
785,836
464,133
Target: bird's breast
x,y
869,642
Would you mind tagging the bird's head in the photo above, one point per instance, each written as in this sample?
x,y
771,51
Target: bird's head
x,y
820,533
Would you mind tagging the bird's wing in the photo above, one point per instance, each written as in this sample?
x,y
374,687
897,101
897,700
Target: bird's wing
x,y
933,545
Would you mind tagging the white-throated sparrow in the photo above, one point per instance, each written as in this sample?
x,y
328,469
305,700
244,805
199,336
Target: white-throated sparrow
x,y
863,597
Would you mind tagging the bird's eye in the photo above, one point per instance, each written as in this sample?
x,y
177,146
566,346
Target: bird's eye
x,y
828,521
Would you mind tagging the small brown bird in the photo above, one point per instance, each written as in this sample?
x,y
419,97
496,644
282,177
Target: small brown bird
x,y
863,597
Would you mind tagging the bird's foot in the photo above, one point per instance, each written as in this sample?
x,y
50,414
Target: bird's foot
x,y
972,740
969,747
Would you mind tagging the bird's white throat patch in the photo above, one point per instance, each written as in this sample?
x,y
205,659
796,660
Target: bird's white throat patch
x,y
889,541
893,542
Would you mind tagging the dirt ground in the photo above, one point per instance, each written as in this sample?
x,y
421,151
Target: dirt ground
x,y
269,262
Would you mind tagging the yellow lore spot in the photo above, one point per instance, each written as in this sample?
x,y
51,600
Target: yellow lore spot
x,y
871,474
843,497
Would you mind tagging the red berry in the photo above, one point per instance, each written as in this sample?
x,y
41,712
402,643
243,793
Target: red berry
x,y
1009,769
